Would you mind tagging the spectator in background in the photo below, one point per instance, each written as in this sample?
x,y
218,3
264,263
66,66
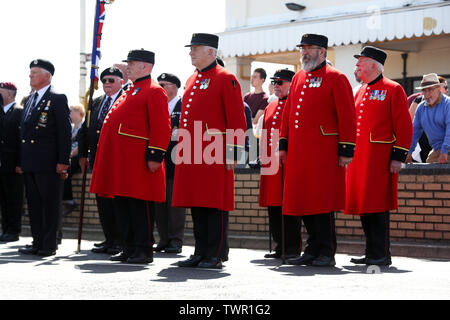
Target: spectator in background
x,y
77,113
432,117
257,100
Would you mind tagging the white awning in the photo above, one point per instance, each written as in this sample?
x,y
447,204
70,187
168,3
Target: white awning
x,y
402,23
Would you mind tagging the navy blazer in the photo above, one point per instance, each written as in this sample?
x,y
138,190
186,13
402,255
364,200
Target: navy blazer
x,y
10,139
88,137
47,134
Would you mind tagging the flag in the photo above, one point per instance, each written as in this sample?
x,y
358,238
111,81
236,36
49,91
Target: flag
x,y
98,26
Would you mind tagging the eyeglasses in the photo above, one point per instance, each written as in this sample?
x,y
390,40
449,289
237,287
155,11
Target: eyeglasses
x,y
109,80
278,82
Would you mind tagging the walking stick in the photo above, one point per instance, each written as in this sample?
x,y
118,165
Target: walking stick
x,y
283,255
84,168
95,59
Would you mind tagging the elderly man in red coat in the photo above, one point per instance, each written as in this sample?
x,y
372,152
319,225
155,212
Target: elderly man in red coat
x,y
212,130
317,141
383,137
128,165
271,181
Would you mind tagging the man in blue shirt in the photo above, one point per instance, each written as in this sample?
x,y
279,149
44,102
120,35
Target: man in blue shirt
x,y
433,117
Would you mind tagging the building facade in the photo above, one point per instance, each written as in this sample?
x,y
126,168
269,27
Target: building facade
x,y
415,34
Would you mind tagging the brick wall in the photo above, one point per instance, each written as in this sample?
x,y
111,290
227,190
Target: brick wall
x,y
423,214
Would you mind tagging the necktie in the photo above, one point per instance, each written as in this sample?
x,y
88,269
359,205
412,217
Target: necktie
x,y
104,112
31,106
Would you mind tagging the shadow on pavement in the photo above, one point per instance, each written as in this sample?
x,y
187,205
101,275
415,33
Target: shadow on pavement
x,y
177,274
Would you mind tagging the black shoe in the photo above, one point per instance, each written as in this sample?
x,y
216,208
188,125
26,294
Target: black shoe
x,y
304,260
122,257
101,249
28,250
211,263
141,258
324,261
9,237
362,260
193,261
99,244
275,255
114,250
385,261
160,247
46,253
172,250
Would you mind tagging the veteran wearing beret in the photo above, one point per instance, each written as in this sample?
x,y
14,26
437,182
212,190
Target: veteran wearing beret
x,y
383,137
129,161
11,182
212,131
112,80
170,220
316,142
46,135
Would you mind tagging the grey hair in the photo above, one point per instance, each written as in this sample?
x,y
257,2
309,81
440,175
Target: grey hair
x,y
379,66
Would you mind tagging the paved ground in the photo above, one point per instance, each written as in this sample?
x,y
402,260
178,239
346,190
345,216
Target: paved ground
x,y
247,276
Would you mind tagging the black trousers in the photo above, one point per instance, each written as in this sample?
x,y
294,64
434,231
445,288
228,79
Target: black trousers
x,y
11,202
376,230
44,197
210,232
292,231
169,220
136,221
110,220
321,234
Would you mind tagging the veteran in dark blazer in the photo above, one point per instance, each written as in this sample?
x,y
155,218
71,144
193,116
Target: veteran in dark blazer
x,y
170,220
112,79
11,182
46,143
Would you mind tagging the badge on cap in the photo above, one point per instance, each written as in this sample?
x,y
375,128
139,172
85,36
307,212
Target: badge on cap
x,y
163,76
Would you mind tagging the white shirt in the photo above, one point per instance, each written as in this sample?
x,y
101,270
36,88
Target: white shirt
x,y
8,106
172,104
41,93
113,98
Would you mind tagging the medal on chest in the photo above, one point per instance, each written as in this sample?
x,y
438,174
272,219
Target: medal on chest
x,y
315,82
205,84
379,95
135,91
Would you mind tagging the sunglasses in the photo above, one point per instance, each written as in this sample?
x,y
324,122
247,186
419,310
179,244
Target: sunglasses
x,y
109,80
278,82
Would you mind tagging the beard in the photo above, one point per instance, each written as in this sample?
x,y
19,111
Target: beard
x,y
310,61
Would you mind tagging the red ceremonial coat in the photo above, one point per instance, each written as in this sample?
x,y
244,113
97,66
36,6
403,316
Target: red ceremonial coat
x,y
136,127
318,124
270,185
384,129
212,104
